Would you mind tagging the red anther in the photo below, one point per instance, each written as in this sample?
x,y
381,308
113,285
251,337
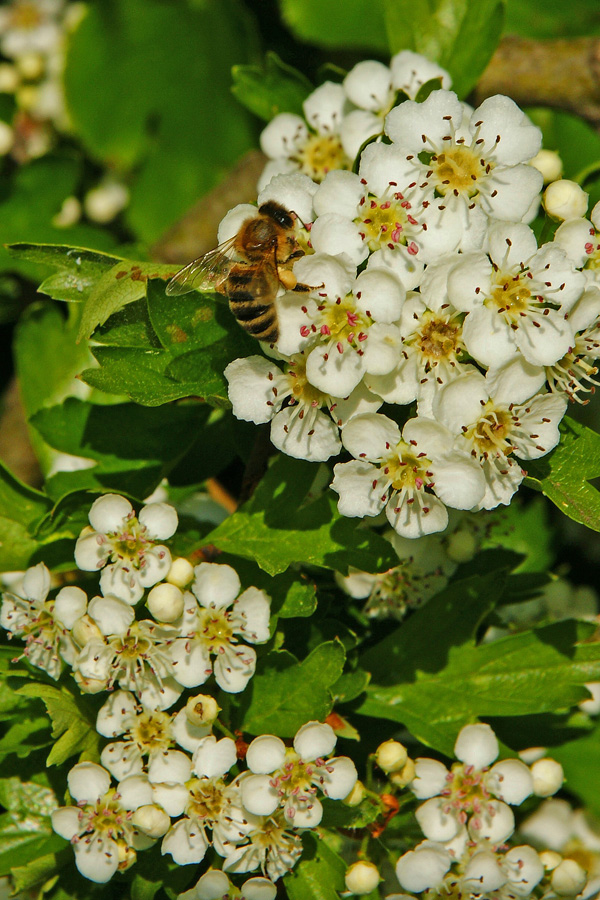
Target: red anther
x,y
305,331
412,248
325,329
340,347
362,336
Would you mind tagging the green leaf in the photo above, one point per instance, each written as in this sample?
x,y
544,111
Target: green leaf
x,y
123,284
300,600
581,761
21,508
159,73
329,23
40,868
34,196
78,269
559,20
319,875
275,529
272,89
461,35
285,693
26,830
564,475
72,723
134,447
432,676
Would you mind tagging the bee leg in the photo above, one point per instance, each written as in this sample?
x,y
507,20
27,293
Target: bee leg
x,y
306,288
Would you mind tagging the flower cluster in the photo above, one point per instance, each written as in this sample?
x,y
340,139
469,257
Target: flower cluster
x,y
194,802
174,780
468,824
33,42
429,289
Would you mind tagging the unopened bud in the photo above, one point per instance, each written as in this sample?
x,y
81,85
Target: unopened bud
x,y
391,756
27,96
356,795
202,709
568,878
85,630
362,878
151,820
89,685
30,65
532,754
550,859
565,199
405,775
9,78
461,546
104,202
548,777
165,602
68,214
549,163
181,572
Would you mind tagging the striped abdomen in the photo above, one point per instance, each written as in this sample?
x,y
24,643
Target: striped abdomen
x,y
251,290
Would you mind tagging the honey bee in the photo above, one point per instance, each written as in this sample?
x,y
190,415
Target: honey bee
x,y
265,248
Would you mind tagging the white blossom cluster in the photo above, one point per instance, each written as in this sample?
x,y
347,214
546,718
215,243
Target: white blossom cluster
x,y
468,823
429,294
173,779
33,42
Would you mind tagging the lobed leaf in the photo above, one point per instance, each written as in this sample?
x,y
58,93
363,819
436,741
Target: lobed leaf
x,y
72,723
270,89
319,875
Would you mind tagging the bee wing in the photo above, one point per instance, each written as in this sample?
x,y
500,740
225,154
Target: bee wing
x,y
202,273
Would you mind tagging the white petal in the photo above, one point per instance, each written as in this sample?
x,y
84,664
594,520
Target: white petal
x,y
216,586
88,781
258,796
69,605
191,662
117,712
382,350
122,759
437,823
111,615
172,797
284,134
411,70
259,889
122,583
356,128
340,192
250,615
135,791
407,123
185,842
265,754
380,294
36,582
459,480
314,740
515,381
334,372
495,823
547,343
307,816
187,734
510,780
500,116
157,565
430,778
97,860
515,188
488,338
315,439
511,244
324,107
476,745
170,767
424,868
65,821
89,553
469,281
251,382
160,519
338,783
214,885
335,274
358,488
334,234
108,512
483,873
370,436
214,758
235,667
368,85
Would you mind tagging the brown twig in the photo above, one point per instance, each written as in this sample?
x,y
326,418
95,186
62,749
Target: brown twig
x,y
562,74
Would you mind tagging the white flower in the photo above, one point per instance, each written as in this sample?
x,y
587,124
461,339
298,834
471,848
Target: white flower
x,y
424,867
269,846
214,620
43,624
99,827
414,475
312,149
207,803
410,71
496,416
261,392
124,545
215,885
31,27
290,778
475,165
146,732
517,299
346,327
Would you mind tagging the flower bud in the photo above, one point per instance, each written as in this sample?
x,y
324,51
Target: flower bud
x,y
565,199
461,546
548,777
106,201
68,214
568,878
27,96
550,859
84,630
405,775
9,78
89,685
30,65
391,756
356,795
181,572
362,878
202,709
152,820
165,602
549,163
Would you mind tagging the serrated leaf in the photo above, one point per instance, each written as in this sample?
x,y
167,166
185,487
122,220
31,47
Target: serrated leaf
x,y
271,89
276,530
564,475
285,694
78,268
319,875
21,508
124,283
72,724
461,35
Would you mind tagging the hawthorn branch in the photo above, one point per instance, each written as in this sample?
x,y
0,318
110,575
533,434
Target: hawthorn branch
x,y
561,74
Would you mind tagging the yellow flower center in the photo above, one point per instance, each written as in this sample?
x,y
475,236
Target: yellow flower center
x,y
438,339
386,222
130,543
152,731
406,470
321,154
512,295
490,434
458,170
206,799
214,628
302,390
340,321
